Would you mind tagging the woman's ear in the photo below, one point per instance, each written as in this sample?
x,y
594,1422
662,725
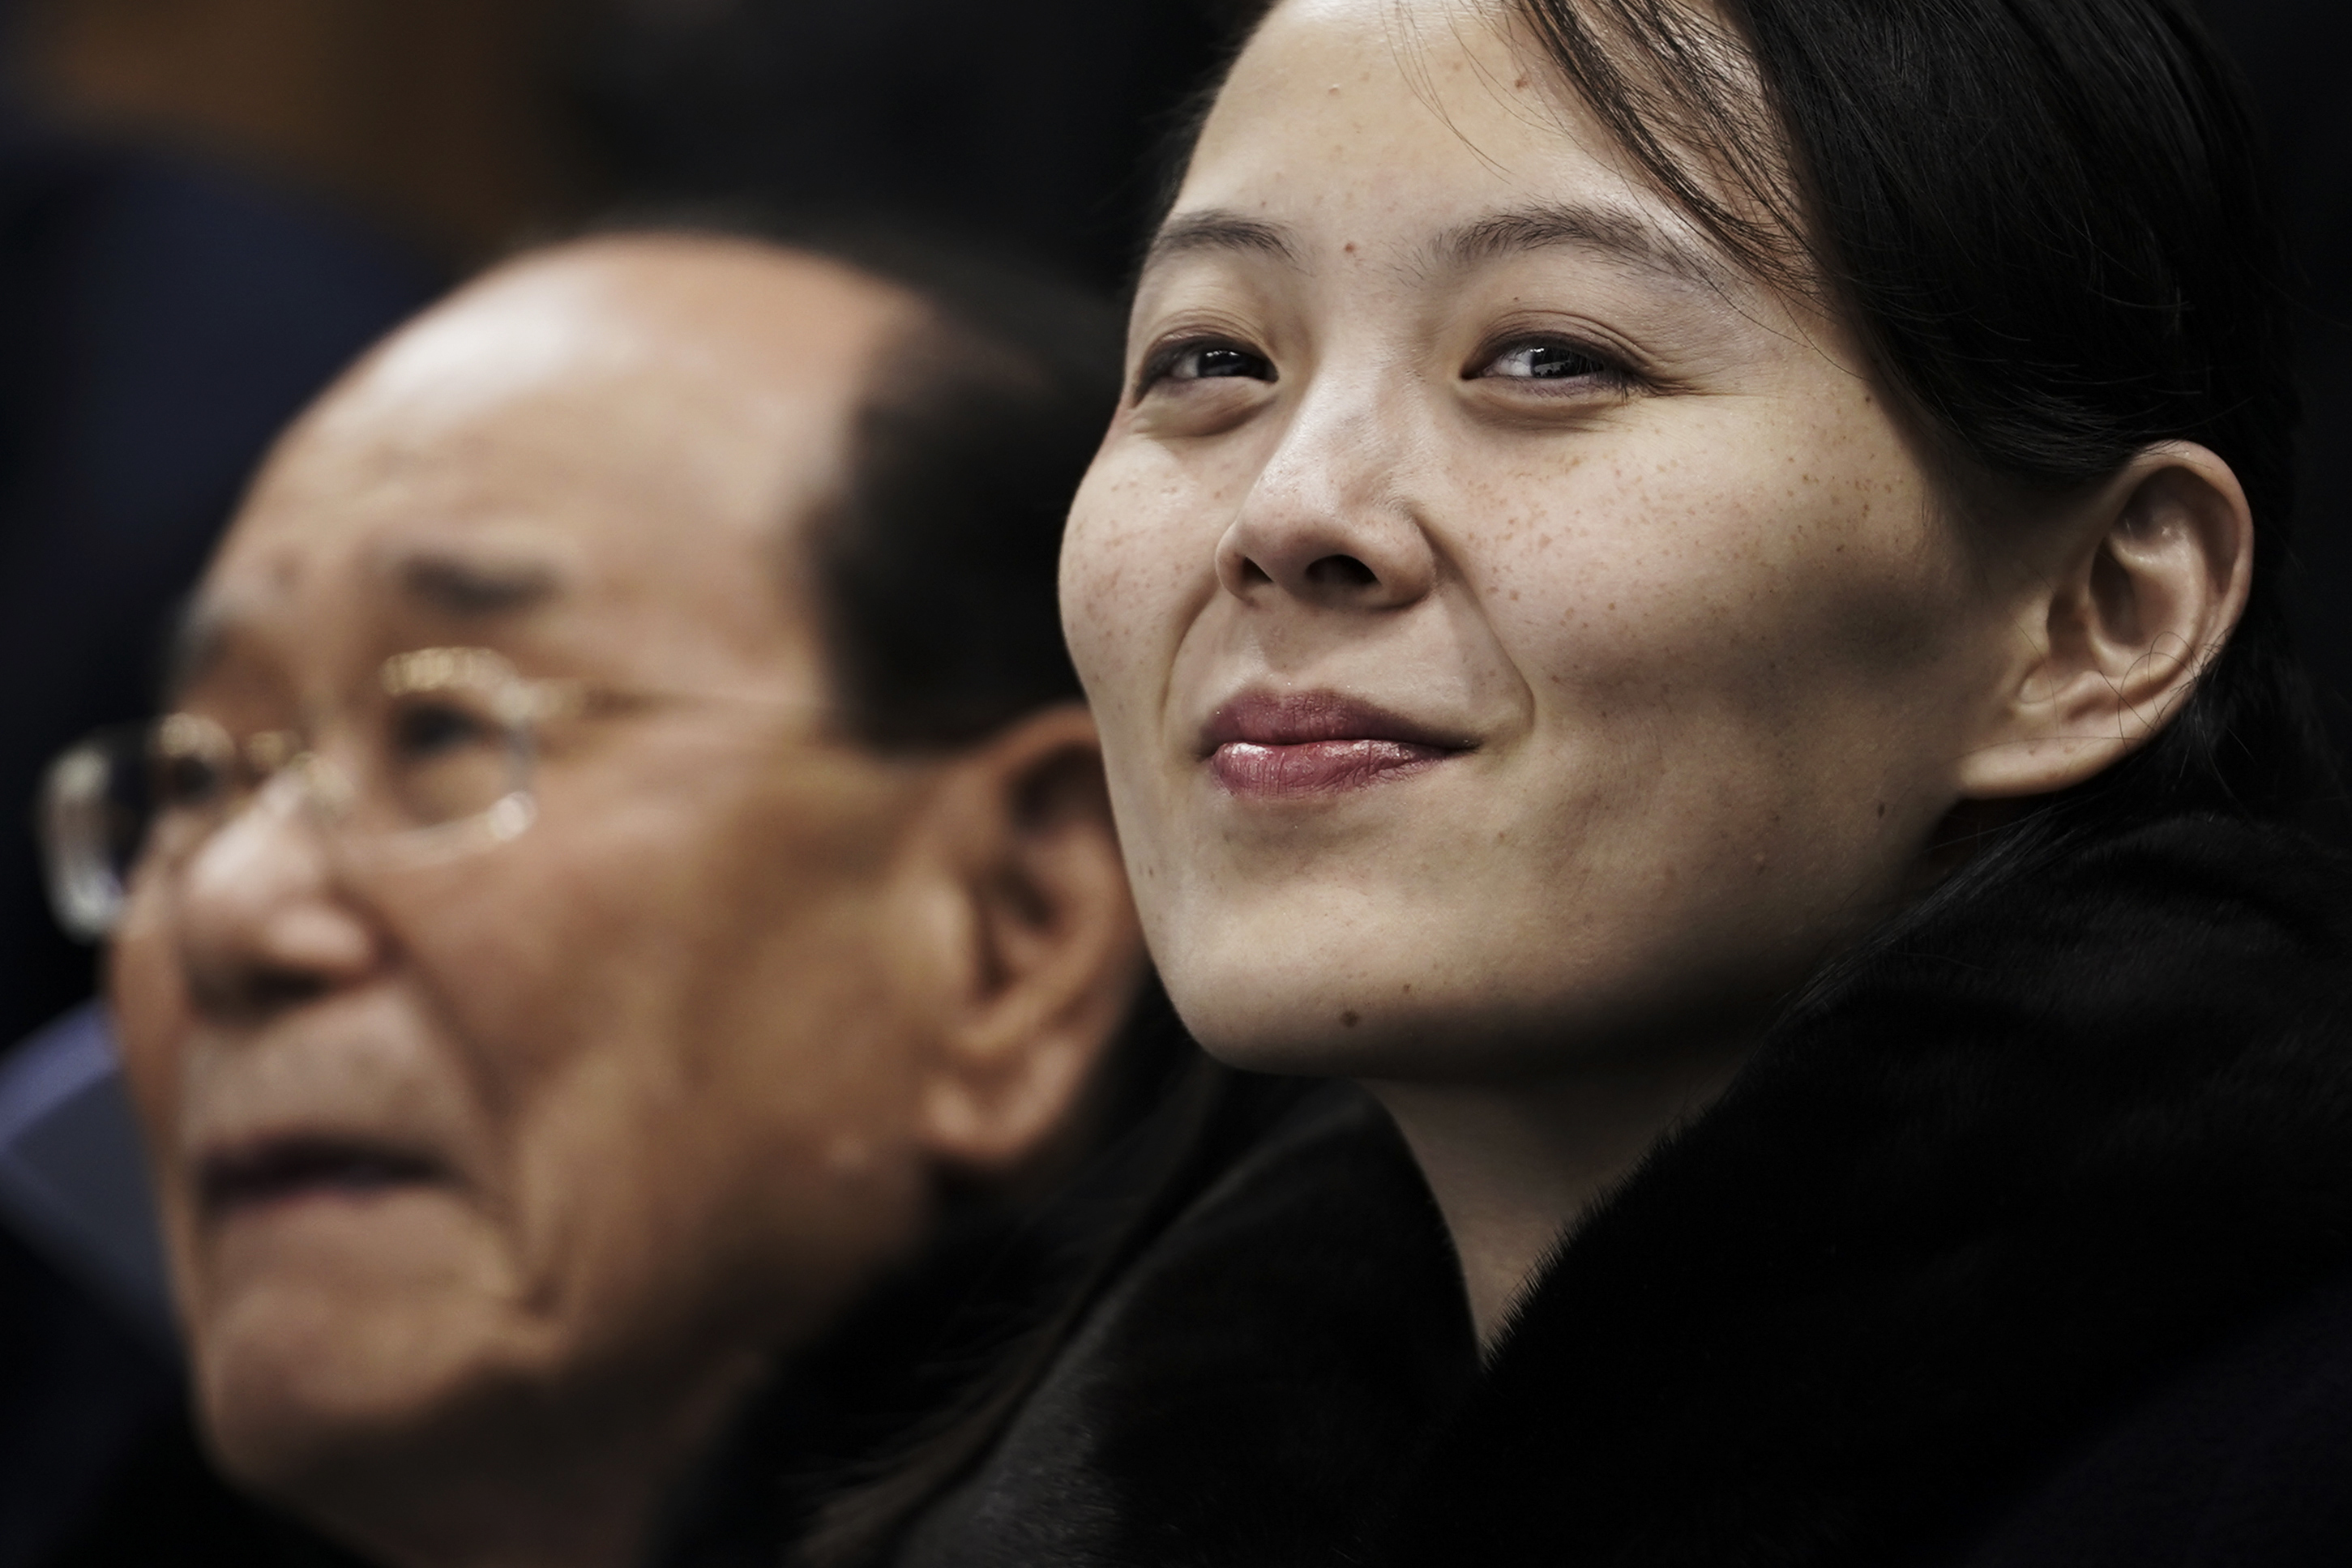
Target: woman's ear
x,y
2111,639
1053,953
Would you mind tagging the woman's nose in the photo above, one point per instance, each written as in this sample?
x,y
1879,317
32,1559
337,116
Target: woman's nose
x,y
1331,521
263,922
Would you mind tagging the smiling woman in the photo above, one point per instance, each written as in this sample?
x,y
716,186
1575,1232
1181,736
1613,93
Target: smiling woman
x,y
1689,593
1496,467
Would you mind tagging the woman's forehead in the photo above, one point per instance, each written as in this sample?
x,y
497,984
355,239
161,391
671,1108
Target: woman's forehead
x,y
1336,115
1434,127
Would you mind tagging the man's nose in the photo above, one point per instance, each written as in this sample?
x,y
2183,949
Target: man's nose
x,y
1330,520
266,922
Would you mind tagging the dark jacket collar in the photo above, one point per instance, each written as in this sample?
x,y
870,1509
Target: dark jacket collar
x,y
1250,1385
2000,1176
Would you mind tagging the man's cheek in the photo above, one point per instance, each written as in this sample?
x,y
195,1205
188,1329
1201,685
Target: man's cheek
x,y
148,1001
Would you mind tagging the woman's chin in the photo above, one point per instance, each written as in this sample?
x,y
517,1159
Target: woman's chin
x,y
1252,1021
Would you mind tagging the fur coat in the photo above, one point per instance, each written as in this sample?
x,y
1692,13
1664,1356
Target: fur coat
x,y
2023,1240
1238,1394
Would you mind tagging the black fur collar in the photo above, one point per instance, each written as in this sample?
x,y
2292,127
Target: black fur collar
x,y
2012,1169
1247,1391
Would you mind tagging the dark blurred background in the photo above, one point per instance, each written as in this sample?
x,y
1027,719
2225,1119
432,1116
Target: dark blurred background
x,y
208,207
2298,59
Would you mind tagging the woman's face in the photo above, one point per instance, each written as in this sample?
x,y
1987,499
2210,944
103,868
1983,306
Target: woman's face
x,y
1514,633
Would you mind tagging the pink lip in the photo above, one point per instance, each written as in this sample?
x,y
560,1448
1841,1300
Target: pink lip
x,y
1316,743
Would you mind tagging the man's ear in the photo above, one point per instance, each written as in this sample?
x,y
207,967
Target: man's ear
x,y
2110,642
1053,953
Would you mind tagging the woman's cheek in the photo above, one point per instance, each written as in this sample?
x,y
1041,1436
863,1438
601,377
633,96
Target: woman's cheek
x,y
1092,568
1141,545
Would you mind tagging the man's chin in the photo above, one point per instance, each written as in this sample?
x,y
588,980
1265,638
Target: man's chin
x,y
345,1362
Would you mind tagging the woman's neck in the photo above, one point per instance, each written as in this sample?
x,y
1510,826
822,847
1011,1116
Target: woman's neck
x,y
1514,1164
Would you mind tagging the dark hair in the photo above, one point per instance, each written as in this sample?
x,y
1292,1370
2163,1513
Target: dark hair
x,y
935,567
934,564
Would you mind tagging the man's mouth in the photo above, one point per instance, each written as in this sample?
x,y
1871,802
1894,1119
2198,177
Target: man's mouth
x,y
1316,743
282,1170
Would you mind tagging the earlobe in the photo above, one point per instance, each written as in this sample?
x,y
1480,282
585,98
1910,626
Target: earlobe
x,y
2112,640
1056,952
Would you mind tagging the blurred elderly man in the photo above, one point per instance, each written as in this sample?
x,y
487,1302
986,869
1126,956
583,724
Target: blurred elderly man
x,y
624,847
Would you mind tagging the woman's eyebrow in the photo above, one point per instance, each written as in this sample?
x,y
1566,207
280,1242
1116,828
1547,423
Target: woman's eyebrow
x,y
1215,228
1613,231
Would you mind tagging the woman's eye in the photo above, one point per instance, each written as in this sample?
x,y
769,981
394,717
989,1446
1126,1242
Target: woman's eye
x,y
1206,364
1545,360
1202,362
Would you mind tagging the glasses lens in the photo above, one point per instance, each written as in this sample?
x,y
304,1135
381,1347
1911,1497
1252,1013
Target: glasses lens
x,y
184,766
99,807
451,748
450,754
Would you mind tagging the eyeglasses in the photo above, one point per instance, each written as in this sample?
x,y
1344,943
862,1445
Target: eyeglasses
x,y
435,760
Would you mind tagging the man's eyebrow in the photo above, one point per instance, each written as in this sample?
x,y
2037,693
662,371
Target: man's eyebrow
x,y
1614,232
464,587
1214,228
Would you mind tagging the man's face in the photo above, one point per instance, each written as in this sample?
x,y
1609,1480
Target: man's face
x,y
441,1141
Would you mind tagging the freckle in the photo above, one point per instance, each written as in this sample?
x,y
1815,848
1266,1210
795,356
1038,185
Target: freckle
x,y
1882,808
1520,85
1349,1018
1408,987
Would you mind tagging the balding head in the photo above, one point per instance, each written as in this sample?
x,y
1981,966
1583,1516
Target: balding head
x,y
628,423
495,1162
